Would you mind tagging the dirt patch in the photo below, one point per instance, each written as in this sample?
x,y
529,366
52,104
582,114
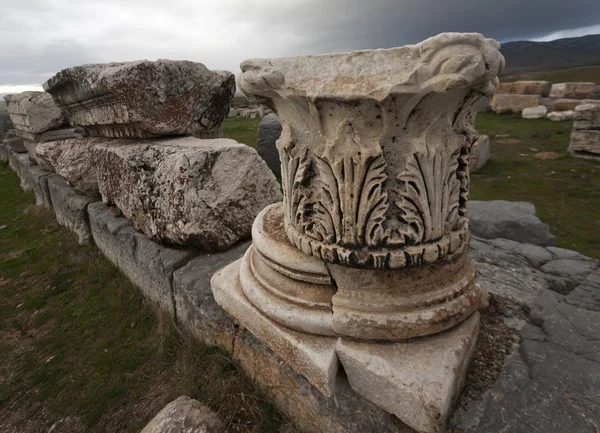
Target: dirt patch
x,y
548,155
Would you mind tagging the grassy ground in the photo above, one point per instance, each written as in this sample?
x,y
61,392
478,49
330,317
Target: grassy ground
x,y
77,339
584,73
565,191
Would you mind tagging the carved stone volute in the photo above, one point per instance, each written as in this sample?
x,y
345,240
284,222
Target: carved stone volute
x,y
375,147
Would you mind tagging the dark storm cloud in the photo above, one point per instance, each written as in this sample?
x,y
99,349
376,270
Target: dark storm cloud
x,y
38,38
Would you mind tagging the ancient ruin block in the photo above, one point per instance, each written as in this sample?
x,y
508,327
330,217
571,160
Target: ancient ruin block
x,y
535,112
573,90
74,160
144,99
540,88
186,191
585,137
370,243
506,103
480,153
33,113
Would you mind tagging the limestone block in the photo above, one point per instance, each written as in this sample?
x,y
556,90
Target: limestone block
x,y
33,113
143,98
561,116
186,191
585,143
569,104
418,381
309,355
75,160
587,116
20,163
311,411
535,112
37,178
508,220
17,144
513,103
269,130
573,90
540,88
147,264
70,208
195,305
185,415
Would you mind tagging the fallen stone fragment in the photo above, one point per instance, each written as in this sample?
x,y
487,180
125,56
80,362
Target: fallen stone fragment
x,y
143,98
561,116
186,191
508,220
269,130
480,153
585,137
185,415
33,113
16,144
74,160
535,112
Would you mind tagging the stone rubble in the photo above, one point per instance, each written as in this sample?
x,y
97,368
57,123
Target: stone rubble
x,y
185,415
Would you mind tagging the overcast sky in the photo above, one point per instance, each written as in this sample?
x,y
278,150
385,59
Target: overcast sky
x,y
40,37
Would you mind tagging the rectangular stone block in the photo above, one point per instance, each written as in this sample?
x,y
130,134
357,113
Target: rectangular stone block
x,y
195,304
585,143
20,163
540,88
3,153
573,90
37,179
147,264
513,103
70,207
33,113
143,98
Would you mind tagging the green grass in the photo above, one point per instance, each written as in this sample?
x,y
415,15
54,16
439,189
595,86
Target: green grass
x,y
241,129
78,340
581,74
565,191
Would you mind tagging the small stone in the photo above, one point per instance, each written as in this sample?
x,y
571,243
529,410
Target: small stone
x,y
535,112
185,415
560,116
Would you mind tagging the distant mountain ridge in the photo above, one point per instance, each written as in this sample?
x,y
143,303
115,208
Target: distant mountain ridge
x,y
528,56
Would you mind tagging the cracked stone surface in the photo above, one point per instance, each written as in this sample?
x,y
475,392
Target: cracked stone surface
x,y
551,383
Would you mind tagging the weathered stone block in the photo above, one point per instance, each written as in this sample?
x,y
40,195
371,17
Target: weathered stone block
x,y
3,152
186,191
185,415
561,116
513,103
195,305
147,264
75,160
585,143
143,98
37,179
535,112
269,130
70,207
540,88
20,163
508,220
311,411
480,153
568,104
33,113
573,90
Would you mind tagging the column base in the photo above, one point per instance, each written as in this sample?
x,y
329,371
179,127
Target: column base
x,y
416,380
